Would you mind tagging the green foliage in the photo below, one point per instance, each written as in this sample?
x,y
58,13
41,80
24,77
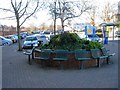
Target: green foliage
x,y
71,41
93,45
118,25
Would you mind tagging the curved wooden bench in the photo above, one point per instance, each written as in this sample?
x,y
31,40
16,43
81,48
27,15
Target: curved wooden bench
x,y
61,56
97,54
79,57
107,54
82,55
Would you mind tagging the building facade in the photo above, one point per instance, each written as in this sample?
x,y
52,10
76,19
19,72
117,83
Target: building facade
x,y
7,30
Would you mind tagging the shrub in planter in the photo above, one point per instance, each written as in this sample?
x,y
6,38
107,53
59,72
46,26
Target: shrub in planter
x,y
93,45
71,41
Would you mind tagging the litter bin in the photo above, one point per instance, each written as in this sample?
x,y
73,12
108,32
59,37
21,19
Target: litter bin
x,y
106,40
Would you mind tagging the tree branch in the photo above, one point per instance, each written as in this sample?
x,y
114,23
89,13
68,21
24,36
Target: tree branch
x,y
9,18
19,5
6,10
31,13
24,9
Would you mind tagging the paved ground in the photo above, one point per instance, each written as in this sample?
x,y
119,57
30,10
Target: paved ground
x,y
0,67
16,73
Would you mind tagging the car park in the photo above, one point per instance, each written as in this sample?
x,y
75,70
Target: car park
x,y
5,41
30,41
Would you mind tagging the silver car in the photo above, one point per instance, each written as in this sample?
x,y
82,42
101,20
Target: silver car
x,y
42,38
30,41
94,38
5,41
91,38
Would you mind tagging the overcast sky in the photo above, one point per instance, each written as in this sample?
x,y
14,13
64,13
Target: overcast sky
x,y
43,17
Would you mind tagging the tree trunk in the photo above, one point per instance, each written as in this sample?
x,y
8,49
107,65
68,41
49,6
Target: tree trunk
x,y
62,23
55,26
19,37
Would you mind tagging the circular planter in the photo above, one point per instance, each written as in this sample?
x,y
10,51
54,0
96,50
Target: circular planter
x,y
70,63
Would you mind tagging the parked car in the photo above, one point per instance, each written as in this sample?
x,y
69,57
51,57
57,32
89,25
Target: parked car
x,y
94,38
16,37
12,37
42,38
117,34
24,35
30,41
91,38
47,34
5,41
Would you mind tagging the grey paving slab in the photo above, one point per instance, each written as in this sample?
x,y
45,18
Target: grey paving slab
x,y
0,67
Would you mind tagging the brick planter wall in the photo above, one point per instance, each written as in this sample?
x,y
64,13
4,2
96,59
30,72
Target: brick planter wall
x,y
71,63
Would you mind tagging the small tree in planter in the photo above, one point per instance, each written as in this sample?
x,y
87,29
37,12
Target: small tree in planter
x,y
71,41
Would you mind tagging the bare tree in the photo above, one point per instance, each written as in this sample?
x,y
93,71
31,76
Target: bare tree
x,y
22,11
108,12
65,10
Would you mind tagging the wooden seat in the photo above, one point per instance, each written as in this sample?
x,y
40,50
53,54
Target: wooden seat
x,y
96,54
82,55
61,56
107,54
45,56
